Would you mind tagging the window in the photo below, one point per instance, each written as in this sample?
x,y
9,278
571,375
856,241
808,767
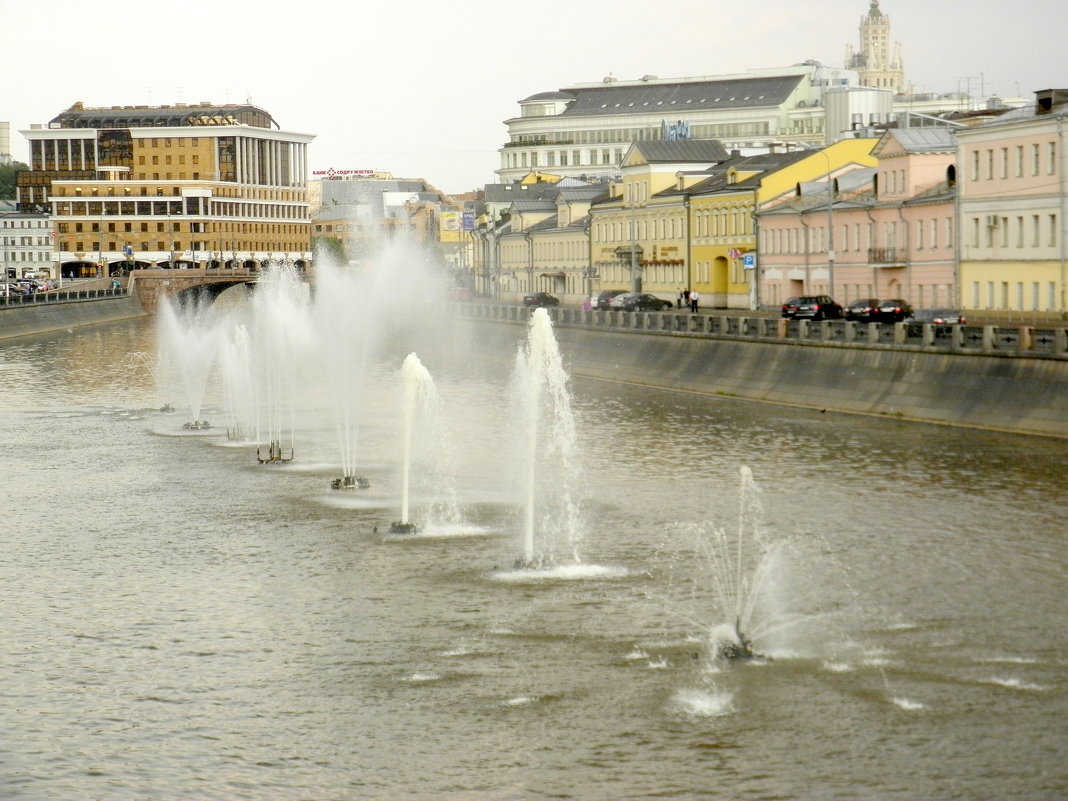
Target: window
x,y
1035,231
1004,163
1052,170
1053,230
975,165
1034,159
1019,161
990,164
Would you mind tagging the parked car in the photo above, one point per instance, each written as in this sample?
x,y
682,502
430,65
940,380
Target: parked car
x,y
616,303
817,307
540,299
943,321
603,298
789,308
645,302
863,310
460,293
893,311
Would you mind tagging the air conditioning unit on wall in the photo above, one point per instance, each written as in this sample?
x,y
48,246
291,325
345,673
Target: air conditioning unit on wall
x,y
991,221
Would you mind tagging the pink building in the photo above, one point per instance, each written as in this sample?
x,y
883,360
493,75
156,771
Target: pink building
x,y
884,232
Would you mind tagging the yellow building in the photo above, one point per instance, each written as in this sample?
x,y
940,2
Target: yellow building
x,y
638,237
722,209
184,185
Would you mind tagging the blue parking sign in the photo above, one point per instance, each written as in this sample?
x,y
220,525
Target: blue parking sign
x,y
748,261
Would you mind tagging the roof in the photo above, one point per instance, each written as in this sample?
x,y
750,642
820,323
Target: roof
x,y
506,193
179,115
709,151
674,97
921,140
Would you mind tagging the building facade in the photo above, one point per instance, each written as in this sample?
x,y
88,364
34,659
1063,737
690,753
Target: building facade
x,y
25,246
886,231
1013,186
185,185
878,59
583,131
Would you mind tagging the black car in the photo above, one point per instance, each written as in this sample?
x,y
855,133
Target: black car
x,y
893,311
645,302
789,308
863,310
604,298
943,321
540,299
817,307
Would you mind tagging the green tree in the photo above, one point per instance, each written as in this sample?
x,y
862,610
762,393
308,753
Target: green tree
x,y
7,178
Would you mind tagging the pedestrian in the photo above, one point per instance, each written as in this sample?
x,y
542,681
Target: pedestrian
x,y
678,300
694,297
685,298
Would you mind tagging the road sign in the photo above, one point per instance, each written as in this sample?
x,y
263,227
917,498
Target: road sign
x,y
749,261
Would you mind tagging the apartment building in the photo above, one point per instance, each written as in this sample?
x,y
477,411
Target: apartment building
x,y
1013,190
884,230
169,186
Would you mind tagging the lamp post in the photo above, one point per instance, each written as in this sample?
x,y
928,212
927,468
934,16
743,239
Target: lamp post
x,y
830,226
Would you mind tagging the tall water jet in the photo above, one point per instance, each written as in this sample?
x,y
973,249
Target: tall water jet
x,y
546,429
235,362
280,331
189,337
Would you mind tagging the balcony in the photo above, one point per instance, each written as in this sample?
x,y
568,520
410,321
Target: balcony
x,y
885,256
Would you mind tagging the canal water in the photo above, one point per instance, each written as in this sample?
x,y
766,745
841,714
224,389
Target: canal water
x,y
180,621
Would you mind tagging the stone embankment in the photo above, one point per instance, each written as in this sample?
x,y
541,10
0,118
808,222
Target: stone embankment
x,y
59,311
1012,380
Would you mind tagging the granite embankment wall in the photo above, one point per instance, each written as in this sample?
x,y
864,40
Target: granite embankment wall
x,y
1015,394
26,319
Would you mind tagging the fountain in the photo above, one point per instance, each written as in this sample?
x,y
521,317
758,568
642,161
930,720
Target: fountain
x,y
189,337
283,341
546,449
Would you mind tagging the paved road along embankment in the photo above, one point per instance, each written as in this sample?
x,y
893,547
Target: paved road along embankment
x,y
938,382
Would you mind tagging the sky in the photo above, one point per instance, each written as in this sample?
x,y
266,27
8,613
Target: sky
x,y
421,89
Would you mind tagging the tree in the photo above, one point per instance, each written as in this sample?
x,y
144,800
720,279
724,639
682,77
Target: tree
x,y
7,179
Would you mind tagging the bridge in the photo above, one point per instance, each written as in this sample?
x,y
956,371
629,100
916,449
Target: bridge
x,y
152,284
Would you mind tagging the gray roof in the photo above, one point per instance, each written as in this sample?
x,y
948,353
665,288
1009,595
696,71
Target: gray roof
x,y
176,116
922,140
505,193
673,98
694,151
527,204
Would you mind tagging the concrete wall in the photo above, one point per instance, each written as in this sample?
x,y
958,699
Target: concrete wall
x,y
28,319
1018,394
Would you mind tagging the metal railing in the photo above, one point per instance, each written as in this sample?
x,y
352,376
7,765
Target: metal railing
x,y
60,296
1034,341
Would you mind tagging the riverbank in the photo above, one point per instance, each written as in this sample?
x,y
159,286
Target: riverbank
x,y
974,389
28,319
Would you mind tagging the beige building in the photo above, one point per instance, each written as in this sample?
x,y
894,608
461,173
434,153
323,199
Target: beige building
x,y
878,60
184,185
1013,187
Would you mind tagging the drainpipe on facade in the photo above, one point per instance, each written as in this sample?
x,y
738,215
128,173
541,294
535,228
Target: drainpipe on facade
x,y
689,245
871,248
908,251
958,298
1064,217
808,254
754,289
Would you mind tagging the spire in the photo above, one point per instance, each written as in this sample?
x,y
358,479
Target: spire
x,y
874,12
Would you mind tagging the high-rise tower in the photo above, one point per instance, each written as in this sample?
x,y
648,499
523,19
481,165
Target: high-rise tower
x,y
877,65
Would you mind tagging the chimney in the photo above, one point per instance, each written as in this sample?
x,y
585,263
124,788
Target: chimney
x,y
1047,99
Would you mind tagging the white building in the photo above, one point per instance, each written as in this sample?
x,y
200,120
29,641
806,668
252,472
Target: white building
x,y
584,130
26,246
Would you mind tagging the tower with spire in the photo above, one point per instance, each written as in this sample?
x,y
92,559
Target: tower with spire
x,y
877,65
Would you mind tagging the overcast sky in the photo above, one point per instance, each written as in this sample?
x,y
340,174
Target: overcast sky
x,y
421,88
